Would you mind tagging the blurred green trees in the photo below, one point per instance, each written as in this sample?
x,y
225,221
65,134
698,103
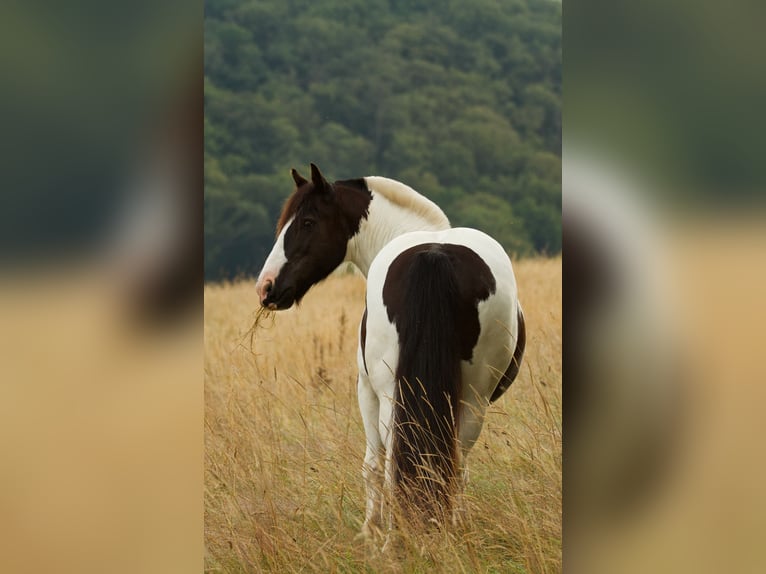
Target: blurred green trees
x,y
460,100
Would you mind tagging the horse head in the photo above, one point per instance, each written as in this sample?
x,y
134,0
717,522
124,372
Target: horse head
x,y
313,231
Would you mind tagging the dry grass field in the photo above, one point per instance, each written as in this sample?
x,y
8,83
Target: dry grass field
x,y
284,442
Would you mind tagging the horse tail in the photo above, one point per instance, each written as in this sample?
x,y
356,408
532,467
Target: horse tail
x,y
428,387
513,369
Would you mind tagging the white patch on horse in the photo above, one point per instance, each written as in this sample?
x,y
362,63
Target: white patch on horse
x,y
409,199
395,209
274,262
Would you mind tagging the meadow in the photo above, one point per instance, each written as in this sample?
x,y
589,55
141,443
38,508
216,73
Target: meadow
x,y
284,442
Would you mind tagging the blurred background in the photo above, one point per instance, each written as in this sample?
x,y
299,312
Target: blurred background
x,y
664,271
101,287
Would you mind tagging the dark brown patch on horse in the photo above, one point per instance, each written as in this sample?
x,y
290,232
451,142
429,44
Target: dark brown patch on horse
x,y
513,369
363,338
475,283
352,196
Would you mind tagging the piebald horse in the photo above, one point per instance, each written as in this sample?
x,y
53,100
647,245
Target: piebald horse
x,y
442,335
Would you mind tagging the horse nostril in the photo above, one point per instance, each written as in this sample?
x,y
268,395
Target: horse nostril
x,y
268,287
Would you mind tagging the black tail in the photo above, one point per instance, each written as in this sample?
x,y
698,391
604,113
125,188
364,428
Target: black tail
x,y
428,387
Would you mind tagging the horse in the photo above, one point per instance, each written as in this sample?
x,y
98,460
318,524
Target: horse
x,y
441,338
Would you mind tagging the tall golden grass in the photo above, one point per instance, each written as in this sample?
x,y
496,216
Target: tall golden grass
x,y
284,442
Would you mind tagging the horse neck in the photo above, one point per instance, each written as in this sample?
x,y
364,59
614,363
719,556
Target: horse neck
x,y
385,221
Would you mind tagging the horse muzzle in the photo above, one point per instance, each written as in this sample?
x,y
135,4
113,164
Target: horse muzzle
x,y
264,288
276,299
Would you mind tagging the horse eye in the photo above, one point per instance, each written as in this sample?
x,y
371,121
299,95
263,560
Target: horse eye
x,y
307,223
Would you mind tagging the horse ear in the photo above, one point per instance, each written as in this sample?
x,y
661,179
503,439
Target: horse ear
x,y
320,183
298,178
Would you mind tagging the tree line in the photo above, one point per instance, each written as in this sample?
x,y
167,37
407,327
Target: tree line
x,y
460,100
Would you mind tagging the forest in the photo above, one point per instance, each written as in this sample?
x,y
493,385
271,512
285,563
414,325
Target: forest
x,y
460,100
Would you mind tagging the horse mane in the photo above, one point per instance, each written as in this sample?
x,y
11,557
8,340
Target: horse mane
x,y
396,192
404,196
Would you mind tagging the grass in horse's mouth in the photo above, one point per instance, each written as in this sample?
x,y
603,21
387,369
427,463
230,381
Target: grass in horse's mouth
x,y
261,315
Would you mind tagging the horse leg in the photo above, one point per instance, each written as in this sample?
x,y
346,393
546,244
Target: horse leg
x,y
385,422
471,422
372,469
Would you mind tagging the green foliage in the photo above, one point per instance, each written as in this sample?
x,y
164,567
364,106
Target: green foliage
x,y
460,100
